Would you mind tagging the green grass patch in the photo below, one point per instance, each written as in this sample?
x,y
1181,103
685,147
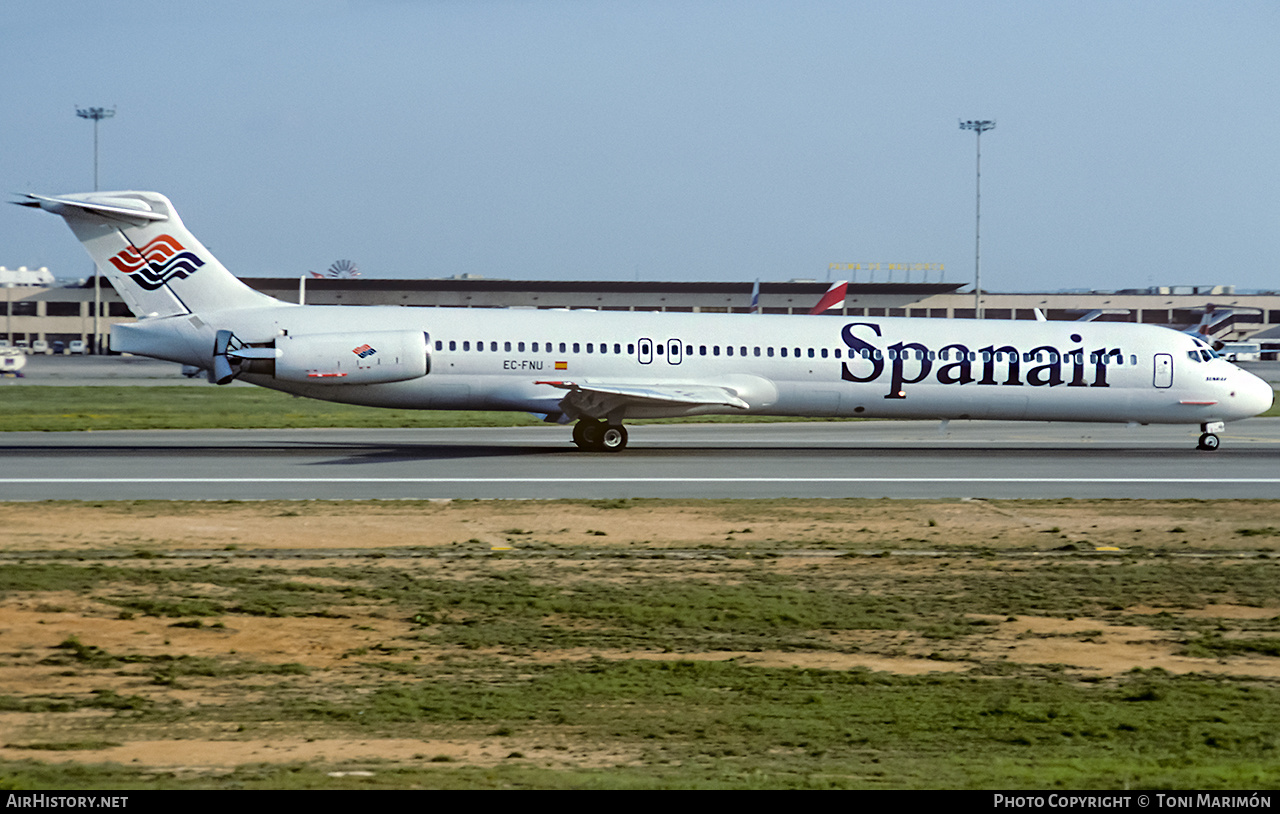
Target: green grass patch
x,y
60,409
456,644
1215,646
63,746
166,592
1266,531
56,409
72,652
738,604
721,722
696,724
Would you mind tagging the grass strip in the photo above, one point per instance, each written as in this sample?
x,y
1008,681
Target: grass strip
x,y
59,409
64,409
704,724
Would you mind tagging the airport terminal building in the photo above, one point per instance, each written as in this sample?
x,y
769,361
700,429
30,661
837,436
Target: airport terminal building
x,y
37,310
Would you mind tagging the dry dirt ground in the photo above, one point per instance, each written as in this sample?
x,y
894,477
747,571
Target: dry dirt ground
x,y
672,536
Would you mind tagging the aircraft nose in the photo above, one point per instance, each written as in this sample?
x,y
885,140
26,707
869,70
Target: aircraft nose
x,y
1252,394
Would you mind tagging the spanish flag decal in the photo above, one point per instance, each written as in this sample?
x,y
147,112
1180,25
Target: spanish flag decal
x,y
562,365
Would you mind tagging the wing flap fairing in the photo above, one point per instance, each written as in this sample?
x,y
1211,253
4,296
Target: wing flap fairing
x,y
603,399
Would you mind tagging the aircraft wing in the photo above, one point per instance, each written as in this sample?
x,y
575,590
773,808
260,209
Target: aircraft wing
x,y
602,398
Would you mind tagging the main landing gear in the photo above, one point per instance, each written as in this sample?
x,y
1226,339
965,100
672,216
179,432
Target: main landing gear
x,y
597,436
1208,438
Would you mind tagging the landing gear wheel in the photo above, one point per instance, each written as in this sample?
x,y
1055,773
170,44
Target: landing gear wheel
x,y
596,436
613,439
1208,442
591,436
580,433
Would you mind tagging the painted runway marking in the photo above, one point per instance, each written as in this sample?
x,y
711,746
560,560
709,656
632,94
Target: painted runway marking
x,y
606,479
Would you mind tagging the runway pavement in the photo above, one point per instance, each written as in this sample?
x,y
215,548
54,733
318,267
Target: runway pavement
x,y
819,459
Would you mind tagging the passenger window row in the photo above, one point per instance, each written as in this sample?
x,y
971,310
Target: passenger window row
x,y
945,355
616,348
533,347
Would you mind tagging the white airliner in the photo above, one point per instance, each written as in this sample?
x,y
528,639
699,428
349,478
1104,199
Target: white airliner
x,y
601,368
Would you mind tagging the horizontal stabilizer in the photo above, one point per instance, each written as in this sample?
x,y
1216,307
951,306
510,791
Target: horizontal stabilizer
x,y
1090,316
127,209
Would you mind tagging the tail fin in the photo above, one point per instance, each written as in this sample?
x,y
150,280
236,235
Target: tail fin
x,y
833,298
158,267
1215,319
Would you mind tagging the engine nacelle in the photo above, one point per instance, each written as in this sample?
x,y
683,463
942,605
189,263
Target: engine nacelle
x,y
358,357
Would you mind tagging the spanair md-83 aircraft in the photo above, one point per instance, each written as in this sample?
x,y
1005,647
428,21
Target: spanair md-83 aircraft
x,y
600,368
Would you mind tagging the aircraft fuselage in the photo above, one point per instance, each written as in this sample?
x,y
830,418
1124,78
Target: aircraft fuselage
x,y
884,367
600,368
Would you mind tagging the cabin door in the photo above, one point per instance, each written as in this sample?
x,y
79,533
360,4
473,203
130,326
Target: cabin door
x,y
1164,370
673,351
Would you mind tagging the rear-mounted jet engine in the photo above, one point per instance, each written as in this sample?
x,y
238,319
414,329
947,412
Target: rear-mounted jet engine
x,y
366,357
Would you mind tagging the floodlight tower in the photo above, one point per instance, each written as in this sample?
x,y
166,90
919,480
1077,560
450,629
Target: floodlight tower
x,y
95,114
978,127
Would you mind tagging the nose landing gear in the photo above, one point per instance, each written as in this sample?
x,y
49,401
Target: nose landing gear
x,y
1208,438
597,436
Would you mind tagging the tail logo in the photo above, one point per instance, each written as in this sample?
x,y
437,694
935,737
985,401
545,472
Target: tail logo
x,y
156,263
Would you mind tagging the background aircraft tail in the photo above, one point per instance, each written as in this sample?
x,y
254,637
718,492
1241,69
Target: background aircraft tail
x,y
834,298
158,267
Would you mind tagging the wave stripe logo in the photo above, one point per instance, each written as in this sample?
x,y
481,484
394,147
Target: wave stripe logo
x,y
158,262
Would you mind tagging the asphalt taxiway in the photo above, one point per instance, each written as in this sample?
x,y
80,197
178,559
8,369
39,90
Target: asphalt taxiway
x,y
901,459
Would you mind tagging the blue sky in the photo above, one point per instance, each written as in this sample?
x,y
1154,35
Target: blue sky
x,y
1136,142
